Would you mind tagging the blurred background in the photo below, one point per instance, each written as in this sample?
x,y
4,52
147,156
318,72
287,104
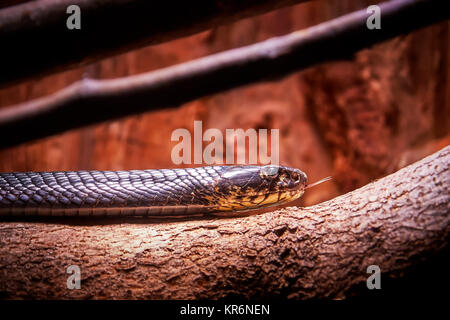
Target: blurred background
x,y
356,120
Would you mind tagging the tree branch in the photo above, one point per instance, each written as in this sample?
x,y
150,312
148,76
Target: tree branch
x,y
396,223
91,101
36,41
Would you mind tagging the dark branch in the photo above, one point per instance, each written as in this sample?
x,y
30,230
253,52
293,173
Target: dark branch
x,y
35,40
91,101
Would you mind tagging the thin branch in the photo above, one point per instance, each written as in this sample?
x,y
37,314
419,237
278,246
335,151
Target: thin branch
x,y
90,101
396,223
35,39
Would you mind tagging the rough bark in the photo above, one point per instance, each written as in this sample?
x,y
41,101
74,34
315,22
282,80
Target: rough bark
x,y
90,101
108,27
396,223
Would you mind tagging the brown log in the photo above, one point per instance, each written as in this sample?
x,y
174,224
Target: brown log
x,y
90,101
397,223
35,40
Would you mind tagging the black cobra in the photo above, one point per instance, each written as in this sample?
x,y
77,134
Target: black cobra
x,y
153,193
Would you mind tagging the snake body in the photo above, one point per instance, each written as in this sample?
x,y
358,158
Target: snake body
x,y
153,193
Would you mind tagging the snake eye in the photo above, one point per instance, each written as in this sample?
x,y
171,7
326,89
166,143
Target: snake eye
x,y
269,171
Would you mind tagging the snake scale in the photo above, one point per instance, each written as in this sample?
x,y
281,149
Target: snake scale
x,y
154,193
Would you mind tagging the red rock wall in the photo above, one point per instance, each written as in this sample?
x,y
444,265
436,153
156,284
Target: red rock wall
x,y
355,120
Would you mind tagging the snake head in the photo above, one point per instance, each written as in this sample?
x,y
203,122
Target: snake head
x,y
285,178
252,187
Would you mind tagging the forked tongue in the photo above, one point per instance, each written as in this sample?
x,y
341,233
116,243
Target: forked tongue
x,y
318,182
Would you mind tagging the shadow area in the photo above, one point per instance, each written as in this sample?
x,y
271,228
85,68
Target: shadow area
x,y
115,220
426,278
132,219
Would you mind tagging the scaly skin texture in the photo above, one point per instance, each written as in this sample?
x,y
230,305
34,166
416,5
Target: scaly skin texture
x,y
322,251
156,193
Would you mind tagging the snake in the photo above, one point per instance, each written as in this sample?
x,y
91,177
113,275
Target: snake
x,y
209,190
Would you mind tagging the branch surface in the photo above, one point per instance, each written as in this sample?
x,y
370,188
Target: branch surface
x,y
35,39
396,222
91,101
